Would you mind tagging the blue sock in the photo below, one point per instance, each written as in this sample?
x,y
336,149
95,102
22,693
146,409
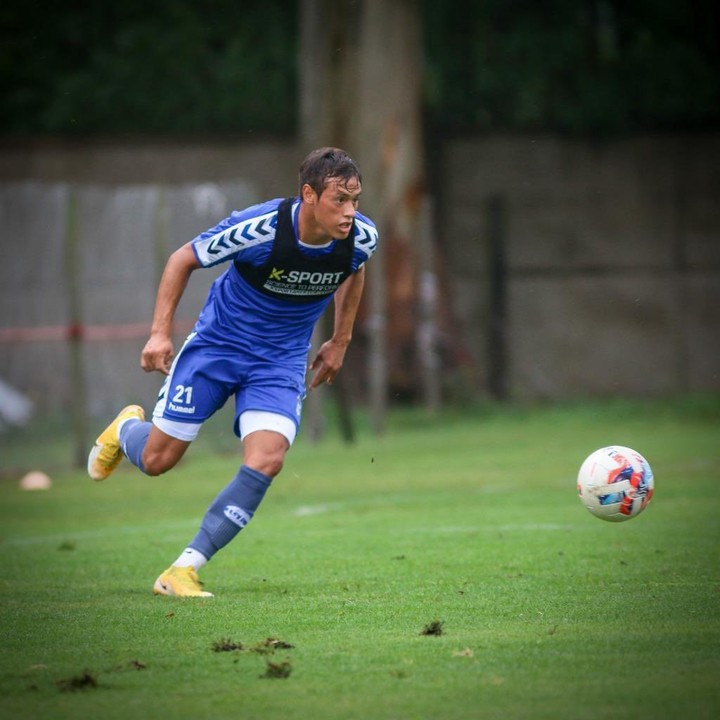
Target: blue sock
x,y
133,436
231,511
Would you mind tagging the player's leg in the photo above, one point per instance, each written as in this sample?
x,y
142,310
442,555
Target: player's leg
x,y
266,436
153,450
237,502
146,446
233,507
195,388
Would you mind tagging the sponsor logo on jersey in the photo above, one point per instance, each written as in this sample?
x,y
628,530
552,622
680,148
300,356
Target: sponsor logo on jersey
x,y
302,282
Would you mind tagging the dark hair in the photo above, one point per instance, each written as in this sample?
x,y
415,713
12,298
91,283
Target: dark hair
x,y
325,163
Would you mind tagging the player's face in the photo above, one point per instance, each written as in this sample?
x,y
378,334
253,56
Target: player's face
x,y
334,209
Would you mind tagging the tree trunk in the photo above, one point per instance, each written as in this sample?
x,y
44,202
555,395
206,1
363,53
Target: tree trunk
x,y
360,88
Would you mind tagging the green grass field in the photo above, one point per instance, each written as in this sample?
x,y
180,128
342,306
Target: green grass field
x,y
466,525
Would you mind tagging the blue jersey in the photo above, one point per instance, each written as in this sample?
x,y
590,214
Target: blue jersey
x,y
237,315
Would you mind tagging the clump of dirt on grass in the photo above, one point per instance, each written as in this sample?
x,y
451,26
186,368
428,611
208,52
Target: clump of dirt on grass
x,y
433,628
264,647
277,671
269,645
226,645
80,682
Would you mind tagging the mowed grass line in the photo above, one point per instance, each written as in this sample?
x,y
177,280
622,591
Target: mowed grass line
x,y
469,520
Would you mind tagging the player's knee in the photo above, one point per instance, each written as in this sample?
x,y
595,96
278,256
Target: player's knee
x,y
269,464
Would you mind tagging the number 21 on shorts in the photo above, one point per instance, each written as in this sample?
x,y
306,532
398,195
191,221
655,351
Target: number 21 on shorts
x,y
183,395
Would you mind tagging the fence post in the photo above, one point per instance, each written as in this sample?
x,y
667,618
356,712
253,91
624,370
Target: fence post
x,y
427,332
74,285
496,213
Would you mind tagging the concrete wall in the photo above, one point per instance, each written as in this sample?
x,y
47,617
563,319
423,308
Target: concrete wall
x,y
85,229
613,261
612,257
271,165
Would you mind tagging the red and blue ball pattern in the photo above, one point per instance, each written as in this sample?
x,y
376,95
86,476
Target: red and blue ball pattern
x,y
615,483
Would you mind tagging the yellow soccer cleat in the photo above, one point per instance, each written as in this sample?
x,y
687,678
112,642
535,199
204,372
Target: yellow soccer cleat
x,y
180,582
107,453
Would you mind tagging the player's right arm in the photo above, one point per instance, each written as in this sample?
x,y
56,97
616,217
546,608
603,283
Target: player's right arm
x,y
158,351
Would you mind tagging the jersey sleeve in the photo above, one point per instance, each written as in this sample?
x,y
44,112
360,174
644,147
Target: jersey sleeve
x,y
365,241
239,232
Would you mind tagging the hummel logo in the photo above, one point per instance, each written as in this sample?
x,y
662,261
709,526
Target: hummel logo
x,y
365,237
253,230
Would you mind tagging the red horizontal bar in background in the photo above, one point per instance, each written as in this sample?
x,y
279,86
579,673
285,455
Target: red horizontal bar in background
x,y
120,331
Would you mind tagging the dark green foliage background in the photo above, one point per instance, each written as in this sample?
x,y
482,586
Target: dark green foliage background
x,y
598,66
148,67
222,66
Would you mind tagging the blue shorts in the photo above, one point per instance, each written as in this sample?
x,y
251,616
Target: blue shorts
x,y
203,376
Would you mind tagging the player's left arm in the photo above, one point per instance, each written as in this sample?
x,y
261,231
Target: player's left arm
x,y
329,358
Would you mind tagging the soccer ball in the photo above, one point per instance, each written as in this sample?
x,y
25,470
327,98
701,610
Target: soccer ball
x,y
615,483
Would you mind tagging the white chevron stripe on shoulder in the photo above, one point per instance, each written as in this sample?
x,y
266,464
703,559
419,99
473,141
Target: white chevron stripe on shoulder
x,y
366,237
232,240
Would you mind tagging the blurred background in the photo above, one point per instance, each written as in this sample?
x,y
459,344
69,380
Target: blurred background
x,y
545,177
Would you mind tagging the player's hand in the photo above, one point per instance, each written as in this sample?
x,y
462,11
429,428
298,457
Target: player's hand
x,y
327,362
157,354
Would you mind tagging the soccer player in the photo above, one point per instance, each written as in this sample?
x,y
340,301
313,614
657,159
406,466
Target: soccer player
x,y
288,258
